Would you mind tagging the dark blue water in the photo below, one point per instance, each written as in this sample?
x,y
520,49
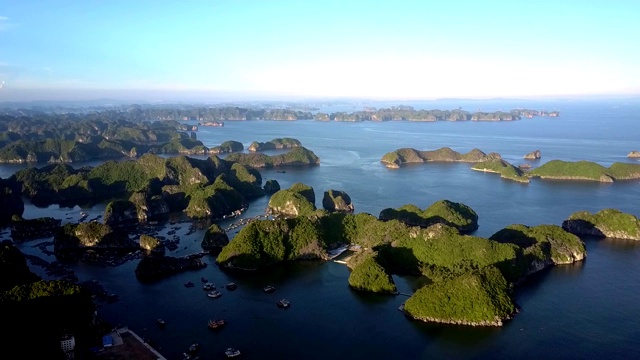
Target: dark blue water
x,y
588,310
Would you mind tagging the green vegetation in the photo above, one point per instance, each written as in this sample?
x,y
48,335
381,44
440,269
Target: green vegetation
x,y
580,170
149,242
203,188
280,143
480,298
605,223
541,246
368,275
586,170
505,169
214,238
399,157
408,113
297,156
336,200
227,147
446,212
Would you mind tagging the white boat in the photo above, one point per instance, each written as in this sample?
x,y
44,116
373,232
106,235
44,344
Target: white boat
x,y
269,289
283,303
231,352
214,294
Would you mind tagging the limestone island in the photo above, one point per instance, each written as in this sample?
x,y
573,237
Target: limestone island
x,y
504,168
635,154
471,277
609,223
534,155
457,215
279,143
397,158
297,156
586,170
226,147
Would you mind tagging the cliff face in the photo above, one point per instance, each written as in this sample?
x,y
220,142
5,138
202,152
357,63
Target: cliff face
x,y
534,155
335,200
610,223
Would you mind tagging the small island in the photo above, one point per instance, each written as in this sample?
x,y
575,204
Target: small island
x,y
297,156
397,158
279,143
611,223
504,168
586,170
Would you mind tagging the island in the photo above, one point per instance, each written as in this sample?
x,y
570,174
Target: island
x,y
611,223
504,168
279,143
408,113
397,158
297,156
226,147
635,154
466,270
457,215
586,170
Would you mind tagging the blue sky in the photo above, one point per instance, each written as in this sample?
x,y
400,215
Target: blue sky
x,y
268,49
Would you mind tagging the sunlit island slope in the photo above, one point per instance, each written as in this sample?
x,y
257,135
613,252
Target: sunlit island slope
x,y
502,167
399,157
279,143
297,156
610,223
586,170
493,163
472,277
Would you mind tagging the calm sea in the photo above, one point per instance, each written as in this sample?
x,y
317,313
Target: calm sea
x,y
589,310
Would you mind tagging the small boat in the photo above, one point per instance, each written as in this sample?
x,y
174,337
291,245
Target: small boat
x,y
231,286
161,322
209,286
283,303
214,294
189,284
194,347
231,352
204,279
269,289
215,324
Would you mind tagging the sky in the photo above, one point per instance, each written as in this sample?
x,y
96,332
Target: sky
x,y
271,49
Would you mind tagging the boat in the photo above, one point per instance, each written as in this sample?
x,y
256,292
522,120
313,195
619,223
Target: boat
x,y
204,279
194,347
231,286
214,294
209,286
189,284
283,303
231,352
161,322
269,289
215,324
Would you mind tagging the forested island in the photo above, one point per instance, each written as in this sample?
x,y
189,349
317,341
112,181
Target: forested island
x,y
493,163
476,274
408,113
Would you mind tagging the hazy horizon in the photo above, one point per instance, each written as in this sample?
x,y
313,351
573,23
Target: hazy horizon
x,y
249,50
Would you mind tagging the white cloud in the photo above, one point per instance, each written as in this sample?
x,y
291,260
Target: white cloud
x,y
4,23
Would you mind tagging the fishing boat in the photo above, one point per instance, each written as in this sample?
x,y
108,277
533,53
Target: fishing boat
x,y
161,322
204,279
215,324
189,284
269,289
231,286
214,294
194,347
283,303
232,352
209,286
